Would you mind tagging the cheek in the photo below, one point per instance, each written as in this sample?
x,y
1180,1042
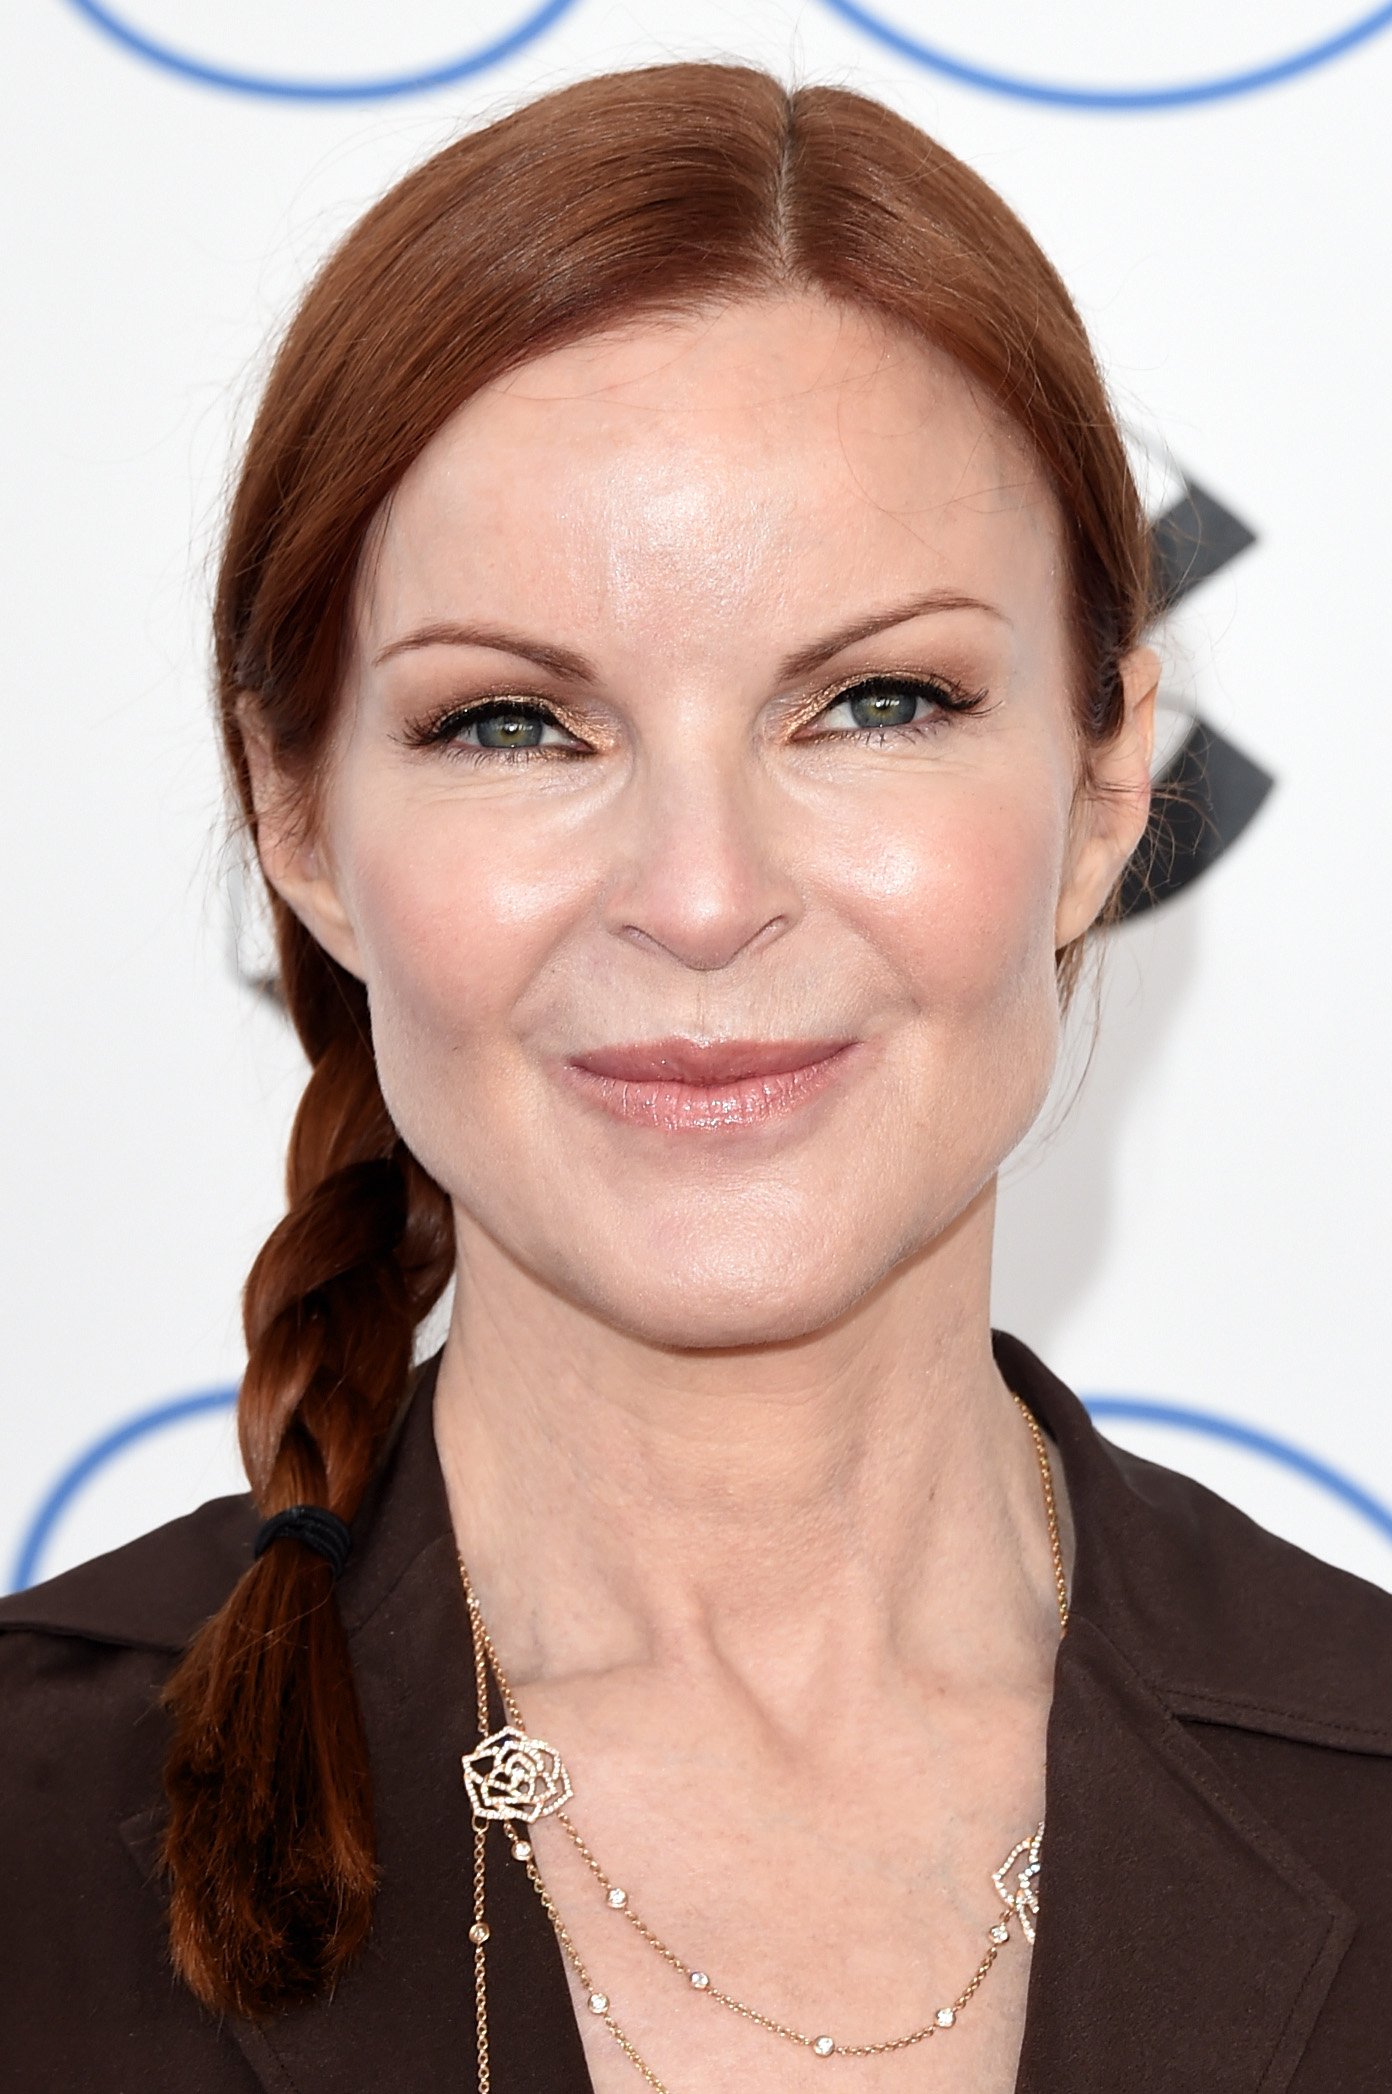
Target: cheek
x,y
958,903
959,896
454,920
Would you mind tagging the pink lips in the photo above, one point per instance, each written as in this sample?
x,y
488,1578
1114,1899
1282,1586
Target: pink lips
x,y
679,1084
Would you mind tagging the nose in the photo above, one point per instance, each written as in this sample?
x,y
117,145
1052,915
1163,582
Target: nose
x,y
704,860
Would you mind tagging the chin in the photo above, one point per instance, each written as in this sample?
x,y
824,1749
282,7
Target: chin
x,y
700,1306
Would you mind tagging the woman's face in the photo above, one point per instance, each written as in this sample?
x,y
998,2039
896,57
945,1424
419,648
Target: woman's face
x,y
710,683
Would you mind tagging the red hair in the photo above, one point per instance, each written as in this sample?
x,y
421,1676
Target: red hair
x,y
638,193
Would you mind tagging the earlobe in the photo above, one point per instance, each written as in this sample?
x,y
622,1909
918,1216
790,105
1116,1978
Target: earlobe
x,y
1110,816
292,859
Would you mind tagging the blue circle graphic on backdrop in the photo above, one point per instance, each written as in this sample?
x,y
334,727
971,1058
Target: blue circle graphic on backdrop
x,y
1149,1410
287,88
1141,1410
1220,87
78,1474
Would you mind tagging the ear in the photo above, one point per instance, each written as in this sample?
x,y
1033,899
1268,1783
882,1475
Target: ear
x,y
1109,817
294,861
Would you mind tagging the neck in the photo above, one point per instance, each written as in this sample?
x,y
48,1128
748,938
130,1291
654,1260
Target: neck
x,y
870,1488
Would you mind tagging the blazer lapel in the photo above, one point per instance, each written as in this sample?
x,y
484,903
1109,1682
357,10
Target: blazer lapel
x,y
1181,1942
403,2014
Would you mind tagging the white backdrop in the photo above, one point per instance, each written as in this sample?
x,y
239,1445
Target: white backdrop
x,y
1204,1232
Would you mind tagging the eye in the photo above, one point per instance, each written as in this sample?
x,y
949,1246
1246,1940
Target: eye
x,y
885,705
505,728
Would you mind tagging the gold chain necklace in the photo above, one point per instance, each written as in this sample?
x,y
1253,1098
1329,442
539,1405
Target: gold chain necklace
x,y
513,1779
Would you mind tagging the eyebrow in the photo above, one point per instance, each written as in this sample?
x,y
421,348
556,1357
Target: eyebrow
x,y
564,661
450,633
804,660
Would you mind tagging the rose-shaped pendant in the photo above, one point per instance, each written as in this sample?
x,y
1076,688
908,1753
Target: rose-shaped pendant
x,y
1023,1900
511,1776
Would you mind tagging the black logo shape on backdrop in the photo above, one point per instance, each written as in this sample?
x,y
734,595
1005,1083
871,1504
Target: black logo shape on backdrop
x,y
1209,790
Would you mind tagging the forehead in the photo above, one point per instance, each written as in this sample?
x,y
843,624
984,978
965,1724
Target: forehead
x,y
783,456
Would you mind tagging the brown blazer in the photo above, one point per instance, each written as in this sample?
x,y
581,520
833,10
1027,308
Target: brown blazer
x,y
1216,1882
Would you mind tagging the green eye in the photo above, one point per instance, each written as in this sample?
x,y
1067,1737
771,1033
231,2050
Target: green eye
x,y
507,727
884,703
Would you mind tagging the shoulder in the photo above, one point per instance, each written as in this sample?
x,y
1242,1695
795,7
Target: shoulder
x,y
154,1592
1241,1625
1228,1621
83,1660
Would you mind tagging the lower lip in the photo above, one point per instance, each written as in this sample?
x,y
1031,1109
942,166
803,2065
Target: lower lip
x,y
683,1108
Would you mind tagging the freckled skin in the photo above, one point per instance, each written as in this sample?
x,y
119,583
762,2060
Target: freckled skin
x,y
726,1450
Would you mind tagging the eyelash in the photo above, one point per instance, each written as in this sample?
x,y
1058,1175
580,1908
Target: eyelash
x,y
948,696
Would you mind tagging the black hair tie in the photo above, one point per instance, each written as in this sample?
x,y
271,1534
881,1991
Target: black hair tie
x,y
314,1525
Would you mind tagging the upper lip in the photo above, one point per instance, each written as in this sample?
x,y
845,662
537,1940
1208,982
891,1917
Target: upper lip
x,y
678,1060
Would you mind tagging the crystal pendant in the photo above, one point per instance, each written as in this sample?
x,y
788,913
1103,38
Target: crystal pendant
x,y
1023,1900
511,1776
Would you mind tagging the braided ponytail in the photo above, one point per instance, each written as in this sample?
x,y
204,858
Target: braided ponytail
x,y
269,1842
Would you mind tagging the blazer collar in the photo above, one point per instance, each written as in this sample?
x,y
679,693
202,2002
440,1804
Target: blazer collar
x,y
1227,1622
1182,1941
1173,1913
